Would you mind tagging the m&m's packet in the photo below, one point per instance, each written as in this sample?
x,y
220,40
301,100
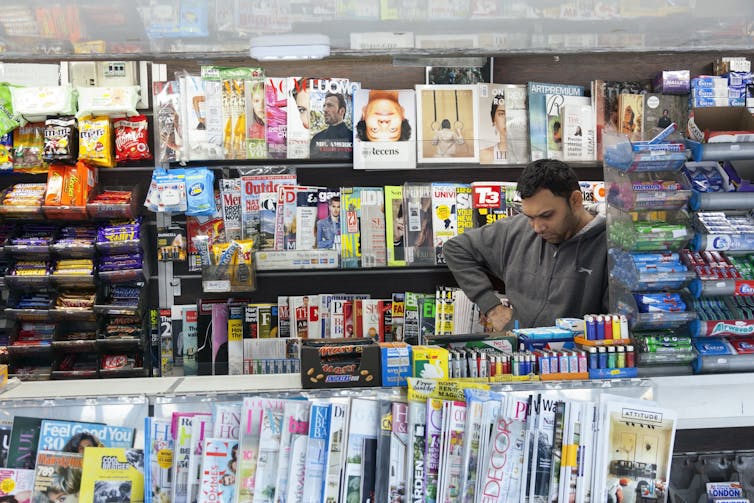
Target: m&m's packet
x,y
95,141
60,140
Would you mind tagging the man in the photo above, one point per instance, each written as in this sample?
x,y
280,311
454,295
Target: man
x,y
328,229
664,121
552,258
337,140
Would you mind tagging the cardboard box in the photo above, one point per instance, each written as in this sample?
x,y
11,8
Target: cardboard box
x,y
732,64
396,363
721,125
672,82
340,363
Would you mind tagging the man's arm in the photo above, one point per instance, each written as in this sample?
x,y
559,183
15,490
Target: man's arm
x,y
318,225
322,240
471,255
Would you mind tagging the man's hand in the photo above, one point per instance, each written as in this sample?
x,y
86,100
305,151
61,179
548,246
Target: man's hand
x,y
497,317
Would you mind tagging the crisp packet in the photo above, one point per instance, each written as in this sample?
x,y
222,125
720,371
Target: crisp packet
x,y
28,144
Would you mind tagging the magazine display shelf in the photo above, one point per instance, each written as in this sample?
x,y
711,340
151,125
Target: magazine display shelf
x,y
719,400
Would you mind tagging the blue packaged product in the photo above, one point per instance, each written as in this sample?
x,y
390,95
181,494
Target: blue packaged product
x,y
658,298
709,92
737,92
200,192
663,308
737,79
658,147
649,258
664,134
712,346
709,81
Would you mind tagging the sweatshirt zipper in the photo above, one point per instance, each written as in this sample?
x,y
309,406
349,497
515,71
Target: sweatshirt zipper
x,y
549,282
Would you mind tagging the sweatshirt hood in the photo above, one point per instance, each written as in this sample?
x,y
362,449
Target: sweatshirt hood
x,y
589,231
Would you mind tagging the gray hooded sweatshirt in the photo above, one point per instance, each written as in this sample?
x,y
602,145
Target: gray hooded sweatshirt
x,y
542,281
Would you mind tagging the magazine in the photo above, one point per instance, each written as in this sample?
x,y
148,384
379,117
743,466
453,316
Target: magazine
x,y
68,435
226,420
331,118
373,247
398,453
446,121
317,452
24,440
201,428
269,448
384,135
57,474
292,447
415,467
112,474
252,412
158,447
18,483
362,430
337,438
219,467
636,449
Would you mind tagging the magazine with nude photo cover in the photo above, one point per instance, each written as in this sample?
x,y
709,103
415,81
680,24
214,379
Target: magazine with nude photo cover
x,y
446,120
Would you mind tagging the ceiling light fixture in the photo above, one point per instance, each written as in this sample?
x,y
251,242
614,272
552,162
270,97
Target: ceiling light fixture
x,y
290,47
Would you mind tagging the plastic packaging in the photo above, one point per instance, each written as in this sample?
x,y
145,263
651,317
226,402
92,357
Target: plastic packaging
x,y
107,101
34,104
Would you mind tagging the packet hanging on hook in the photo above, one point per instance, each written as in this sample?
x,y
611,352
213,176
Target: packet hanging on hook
x,y
200,192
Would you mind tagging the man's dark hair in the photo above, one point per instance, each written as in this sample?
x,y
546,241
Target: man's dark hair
x,y
340,97
551,174
445,124
334,199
